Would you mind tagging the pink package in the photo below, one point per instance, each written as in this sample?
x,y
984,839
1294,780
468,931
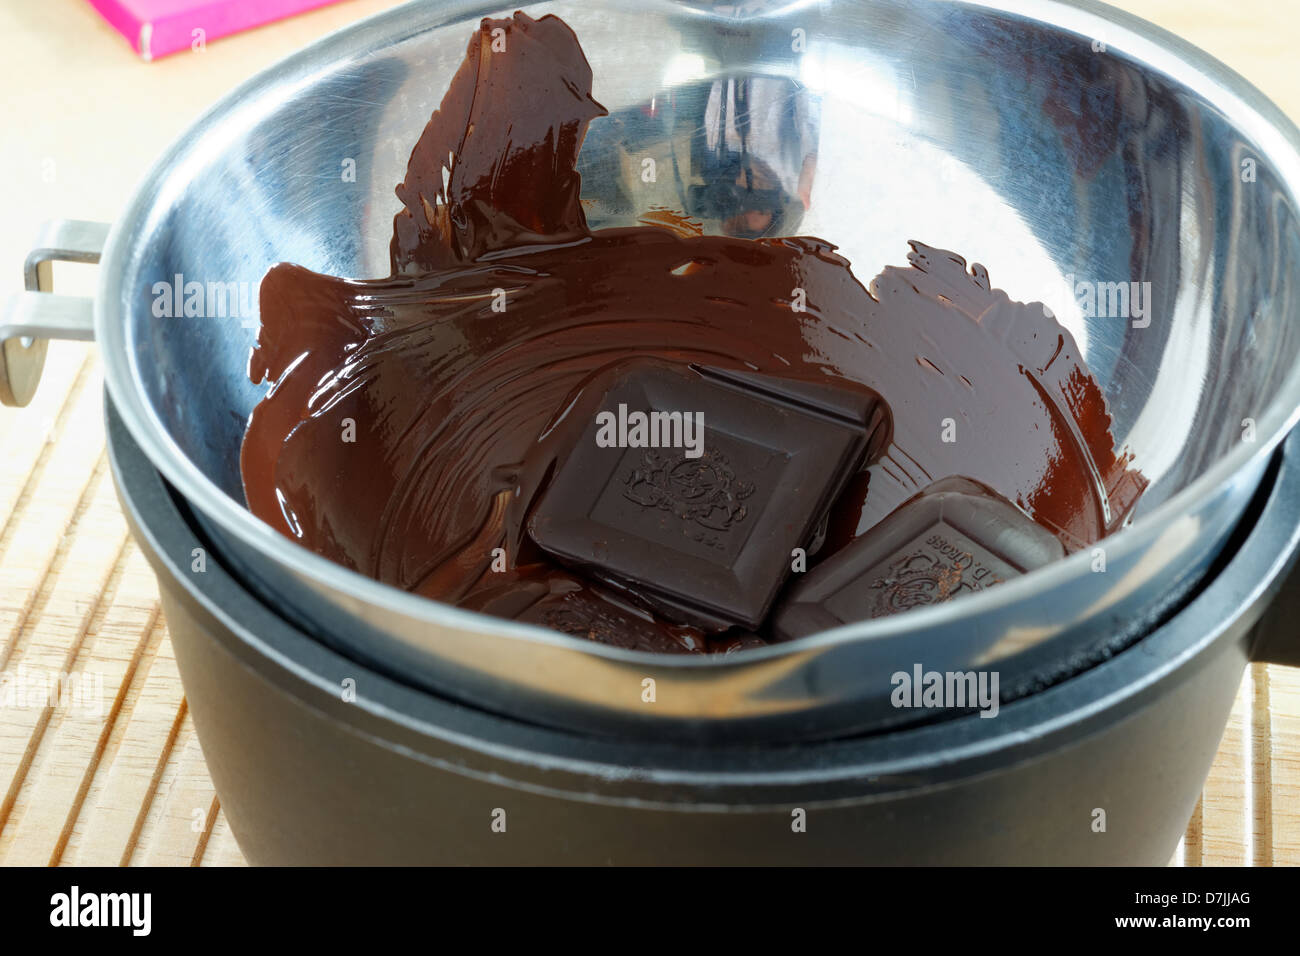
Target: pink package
x,y
156,28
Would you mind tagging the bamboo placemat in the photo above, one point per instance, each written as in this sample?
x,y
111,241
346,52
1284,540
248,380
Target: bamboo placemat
x,y
125,782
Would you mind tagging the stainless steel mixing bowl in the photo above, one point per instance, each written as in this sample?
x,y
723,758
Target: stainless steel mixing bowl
x,y
1046,140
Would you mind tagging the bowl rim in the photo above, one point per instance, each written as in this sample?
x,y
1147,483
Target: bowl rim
x,y
1276,136
398,712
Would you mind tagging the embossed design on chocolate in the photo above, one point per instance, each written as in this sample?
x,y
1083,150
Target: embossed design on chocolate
x,y
931,574
914,580
704,490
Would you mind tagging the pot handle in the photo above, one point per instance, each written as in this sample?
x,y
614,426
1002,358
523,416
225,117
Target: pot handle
x,y
33,317
1277,635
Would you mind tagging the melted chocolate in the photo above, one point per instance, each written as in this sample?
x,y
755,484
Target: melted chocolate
x,y
411,422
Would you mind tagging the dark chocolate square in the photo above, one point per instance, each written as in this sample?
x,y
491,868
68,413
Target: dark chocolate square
x,y
705,540
956,537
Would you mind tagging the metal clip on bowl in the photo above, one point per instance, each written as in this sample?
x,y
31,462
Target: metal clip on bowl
x,y
33,317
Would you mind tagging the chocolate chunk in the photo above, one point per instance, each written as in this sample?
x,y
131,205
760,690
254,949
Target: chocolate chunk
x,y
699,521
551,598
587,613
956,537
